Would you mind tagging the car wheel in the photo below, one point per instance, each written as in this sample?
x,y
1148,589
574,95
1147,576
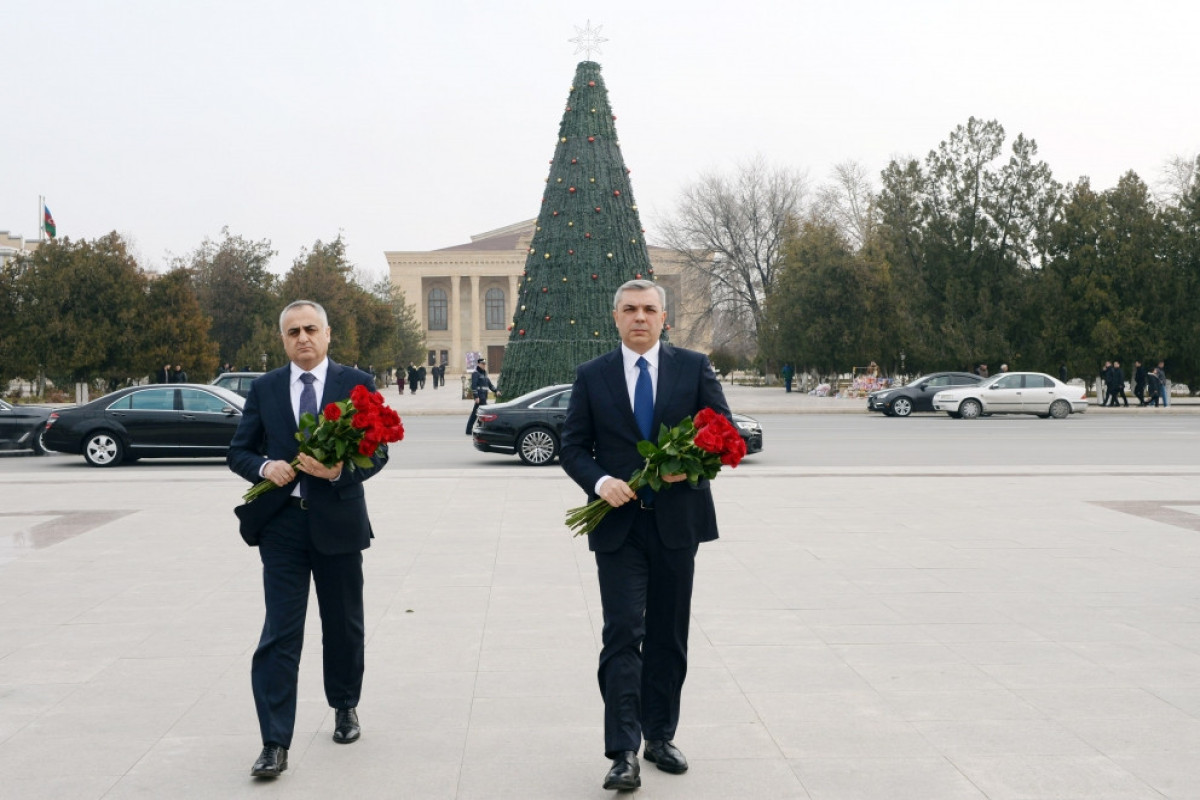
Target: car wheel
x,y
537,447
39,449
902,406
970,409
1060,409
103,449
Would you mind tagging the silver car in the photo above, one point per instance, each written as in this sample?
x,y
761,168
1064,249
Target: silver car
x,y
1013,393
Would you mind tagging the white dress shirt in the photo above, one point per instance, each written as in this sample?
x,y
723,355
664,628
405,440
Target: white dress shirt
x,y
295,387
630,359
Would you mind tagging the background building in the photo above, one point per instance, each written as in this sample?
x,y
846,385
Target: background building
x,y
12,246
465,295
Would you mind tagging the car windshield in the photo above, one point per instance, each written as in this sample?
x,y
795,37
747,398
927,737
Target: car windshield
x,y
917,380
233,398
538,393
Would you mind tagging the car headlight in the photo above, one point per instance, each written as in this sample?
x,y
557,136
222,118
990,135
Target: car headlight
x,y
882,395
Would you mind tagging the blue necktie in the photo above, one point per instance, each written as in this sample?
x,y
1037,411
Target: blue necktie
x,y
643,399
308,405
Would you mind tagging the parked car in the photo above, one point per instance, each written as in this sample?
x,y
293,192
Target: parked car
x,y
1013,393
21,427
156,421
236,381
917,394
531,426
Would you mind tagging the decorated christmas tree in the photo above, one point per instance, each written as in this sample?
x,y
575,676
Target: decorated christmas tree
x,y
588,241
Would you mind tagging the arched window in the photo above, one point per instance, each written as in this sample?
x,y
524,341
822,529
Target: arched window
x,y
437,310
493,303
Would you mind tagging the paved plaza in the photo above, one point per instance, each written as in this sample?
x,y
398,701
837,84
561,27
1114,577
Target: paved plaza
x,y
858,633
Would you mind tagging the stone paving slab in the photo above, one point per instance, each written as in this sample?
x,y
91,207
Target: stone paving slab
x,y
961,633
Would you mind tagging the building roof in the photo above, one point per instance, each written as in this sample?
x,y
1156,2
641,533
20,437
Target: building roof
x,y
512,237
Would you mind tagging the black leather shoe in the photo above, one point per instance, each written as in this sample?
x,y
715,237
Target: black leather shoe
x,y
626,773
271,763
665,755
346,729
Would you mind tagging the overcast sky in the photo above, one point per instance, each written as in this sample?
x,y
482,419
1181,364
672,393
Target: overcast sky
x,y
412,125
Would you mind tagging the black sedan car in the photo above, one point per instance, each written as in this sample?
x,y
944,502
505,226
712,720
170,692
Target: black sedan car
x,y
158,421
21,427
917,394
531,426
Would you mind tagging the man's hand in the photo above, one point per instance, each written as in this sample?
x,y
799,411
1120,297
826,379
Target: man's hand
x,y
279,473
616,492
675,478
311,466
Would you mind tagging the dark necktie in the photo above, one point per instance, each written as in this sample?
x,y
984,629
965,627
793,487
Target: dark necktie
x,y
643,412
643,398
308,405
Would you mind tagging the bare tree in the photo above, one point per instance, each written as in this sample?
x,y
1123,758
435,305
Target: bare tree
x,y
1177,179
728,230
848,203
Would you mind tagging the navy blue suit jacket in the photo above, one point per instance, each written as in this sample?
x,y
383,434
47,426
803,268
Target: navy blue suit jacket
x,y
337,516
600,437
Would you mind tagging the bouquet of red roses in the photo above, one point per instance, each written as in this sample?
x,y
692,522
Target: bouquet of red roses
x,y
349,430
696,448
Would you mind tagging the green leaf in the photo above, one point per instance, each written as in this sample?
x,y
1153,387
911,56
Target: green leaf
x,y
359,460
647,449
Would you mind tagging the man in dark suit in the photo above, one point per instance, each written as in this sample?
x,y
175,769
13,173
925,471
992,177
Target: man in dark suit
x,y
315,525
646,546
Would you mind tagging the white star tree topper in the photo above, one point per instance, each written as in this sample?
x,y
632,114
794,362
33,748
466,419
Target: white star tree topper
x,y
588,39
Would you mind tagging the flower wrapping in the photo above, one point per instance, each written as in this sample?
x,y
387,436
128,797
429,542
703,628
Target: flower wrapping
x,y
697,447
349,431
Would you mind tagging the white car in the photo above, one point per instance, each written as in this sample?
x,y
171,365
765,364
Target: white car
x,y
1013,393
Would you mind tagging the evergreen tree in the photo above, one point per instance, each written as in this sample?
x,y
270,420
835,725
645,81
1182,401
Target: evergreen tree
x,y
588,242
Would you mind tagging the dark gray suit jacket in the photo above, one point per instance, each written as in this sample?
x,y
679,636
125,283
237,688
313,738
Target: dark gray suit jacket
x,y
337,516
600,437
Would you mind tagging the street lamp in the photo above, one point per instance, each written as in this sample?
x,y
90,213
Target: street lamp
x,y
263,358
902,372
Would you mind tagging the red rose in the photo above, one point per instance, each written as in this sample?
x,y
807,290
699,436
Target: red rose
x,y
377,400
361,420
367,447
361,397
332,412
704,417
709,440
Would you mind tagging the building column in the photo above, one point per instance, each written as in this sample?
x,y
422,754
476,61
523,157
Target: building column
x,y
454,320
475,342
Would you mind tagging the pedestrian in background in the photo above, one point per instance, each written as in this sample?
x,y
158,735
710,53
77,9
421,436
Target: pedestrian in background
x,y
480,384
1165,385
1139,382
788,373
179,376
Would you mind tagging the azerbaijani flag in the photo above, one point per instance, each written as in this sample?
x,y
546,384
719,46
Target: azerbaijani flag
x,y
48,222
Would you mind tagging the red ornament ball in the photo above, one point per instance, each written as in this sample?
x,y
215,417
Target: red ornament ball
x,y
545,289
555,214
571,190
574,160
591,83
521,332
616,192
547,318
595,276
587,236
638,276
597,209
591,138
570,252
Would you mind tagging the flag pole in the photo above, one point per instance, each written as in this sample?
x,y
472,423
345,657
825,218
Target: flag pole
x,y
41,218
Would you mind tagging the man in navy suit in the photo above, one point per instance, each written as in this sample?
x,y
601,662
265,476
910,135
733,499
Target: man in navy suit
x,y
646,546
315,525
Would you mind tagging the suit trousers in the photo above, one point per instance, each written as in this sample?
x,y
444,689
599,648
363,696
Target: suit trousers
x,y
646,593
288,559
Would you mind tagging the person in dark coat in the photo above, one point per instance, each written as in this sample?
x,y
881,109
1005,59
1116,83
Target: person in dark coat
x,y
311,529
480,385
179,376
645,548
421,376
1116,385
1139,382
412,378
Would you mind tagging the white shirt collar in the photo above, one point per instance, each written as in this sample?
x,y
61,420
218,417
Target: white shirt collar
x,y
318,371
630,357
